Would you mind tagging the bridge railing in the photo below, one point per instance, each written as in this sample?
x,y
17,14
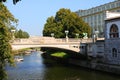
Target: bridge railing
x,y
51,40
74,40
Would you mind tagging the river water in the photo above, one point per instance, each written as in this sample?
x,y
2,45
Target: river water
x,y
34,67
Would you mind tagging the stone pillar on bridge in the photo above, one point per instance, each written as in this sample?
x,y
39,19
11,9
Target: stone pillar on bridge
x,y
66,32
67,39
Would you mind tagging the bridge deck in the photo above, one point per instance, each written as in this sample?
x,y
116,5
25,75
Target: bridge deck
x,y
70,44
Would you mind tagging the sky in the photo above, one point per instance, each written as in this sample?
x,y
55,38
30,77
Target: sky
x,y
32,14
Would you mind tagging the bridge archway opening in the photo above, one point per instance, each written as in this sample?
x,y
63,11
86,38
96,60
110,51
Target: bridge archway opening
x,y
72,54
55,49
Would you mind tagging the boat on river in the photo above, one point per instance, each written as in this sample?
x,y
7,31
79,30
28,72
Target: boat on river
x,y
18,58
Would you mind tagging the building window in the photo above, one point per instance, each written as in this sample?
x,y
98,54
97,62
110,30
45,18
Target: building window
x,y
114,31
114,52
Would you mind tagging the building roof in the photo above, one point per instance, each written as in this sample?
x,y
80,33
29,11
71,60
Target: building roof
x,y
112,15
100,8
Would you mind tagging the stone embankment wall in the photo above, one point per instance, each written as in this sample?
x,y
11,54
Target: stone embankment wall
x,y
115,69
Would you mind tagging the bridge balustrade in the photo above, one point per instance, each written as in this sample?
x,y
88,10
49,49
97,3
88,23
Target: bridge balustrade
x,y
50,40
70,44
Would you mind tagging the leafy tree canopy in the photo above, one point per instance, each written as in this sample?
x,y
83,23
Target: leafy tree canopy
x,y
21,34
66,20
18,33
14,1
6,19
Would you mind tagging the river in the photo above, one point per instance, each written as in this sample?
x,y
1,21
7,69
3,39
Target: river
x,y
34,67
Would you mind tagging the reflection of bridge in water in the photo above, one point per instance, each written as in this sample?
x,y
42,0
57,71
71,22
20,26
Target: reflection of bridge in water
x,y
70,44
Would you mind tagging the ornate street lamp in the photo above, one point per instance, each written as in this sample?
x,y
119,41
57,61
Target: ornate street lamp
x,y
77,35
66,32
95,36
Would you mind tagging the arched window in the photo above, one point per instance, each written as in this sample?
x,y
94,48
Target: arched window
x,y
114,52
114,32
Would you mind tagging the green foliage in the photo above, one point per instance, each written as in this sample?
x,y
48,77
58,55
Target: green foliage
x,y
18,33
21,34
66,20
59,54
6,18
14,1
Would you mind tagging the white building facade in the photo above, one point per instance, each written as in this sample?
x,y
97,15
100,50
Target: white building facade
x,y
95,16
112,40
106,50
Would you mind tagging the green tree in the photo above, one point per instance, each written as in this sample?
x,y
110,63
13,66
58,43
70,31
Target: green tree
x,y
26,35
21,34
14,1
50,27
66,20
6,18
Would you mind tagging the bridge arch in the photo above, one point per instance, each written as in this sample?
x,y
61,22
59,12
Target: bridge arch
x,y
71,44
65,47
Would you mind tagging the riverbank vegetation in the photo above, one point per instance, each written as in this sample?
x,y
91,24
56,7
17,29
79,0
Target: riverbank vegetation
x,y
6,20
59,54
20,51
7,34
25,51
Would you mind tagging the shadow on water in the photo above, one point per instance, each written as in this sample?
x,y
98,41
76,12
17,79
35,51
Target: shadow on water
x,y
57,71
34,67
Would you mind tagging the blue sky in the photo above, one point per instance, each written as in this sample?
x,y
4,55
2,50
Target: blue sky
x,y
32,14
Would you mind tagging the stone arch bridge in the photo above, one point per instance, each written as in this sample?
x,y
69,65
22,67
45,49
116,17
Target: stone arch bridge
x,y
67,44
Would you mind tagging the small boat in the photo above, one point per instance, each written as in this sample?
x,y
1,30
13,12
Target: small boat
x,y
18,58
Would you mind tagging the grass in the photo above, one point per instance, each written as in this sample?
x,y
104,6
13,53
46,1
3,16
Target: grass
x,y
59,54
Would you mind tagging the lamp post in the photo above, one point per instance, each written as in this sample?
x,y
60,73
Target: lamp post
x,y
95,36
77,35
66,32
52,34
96,33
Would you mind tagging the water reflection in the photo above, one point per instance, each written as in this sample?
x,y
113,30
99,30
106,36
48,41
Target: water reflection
x,y
34,67
30,68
